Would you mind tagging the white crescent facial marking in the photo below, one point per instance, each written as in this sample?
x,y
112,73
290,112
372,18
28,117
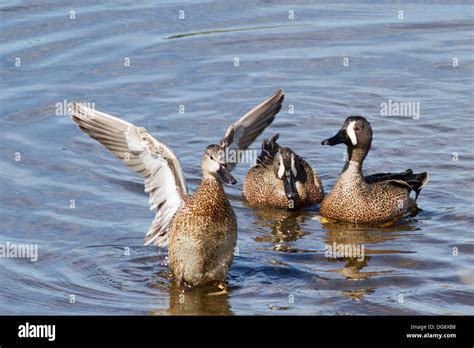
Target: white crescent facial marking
x,y
293,168
351,133
281,169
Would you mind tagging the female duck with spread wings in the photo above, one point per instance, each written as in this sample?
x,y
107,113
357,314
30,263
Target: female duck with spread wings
x,y
200,229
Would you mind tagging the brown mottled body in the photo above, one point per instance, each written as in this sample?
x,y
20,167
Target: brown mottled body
x,y
263,189
203,236
355,201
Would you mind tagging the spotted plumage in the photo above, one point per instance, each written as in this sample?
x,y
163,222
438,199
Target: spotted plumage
x,y
281,179
199,229
373,199
197,257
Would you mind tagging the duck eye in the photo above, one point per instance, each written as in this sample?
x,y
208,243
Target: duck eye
x,y
356,128
212,157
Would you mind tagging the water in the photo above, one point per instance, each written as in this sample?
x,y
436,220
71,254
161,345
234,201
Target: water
x,y
408,268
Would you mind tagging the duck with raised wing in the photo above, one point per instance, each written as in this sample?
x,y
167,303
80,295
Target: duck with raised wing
x,y
281,179
374,199
199,229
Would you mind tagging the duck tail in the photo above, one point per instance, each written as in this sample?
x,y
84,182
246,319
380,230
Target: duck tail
x,y
407,179
269,148
416,181
420,180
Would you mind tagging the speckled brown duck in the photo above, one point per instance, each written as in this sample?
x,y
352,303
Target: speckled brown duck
x,y
374,199
281,179
200,229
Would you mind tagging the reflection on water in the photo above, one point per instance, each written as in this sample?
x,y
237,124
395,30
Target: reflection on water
x,y
196,301
285,227
347,248
340,233
352,268
360,242
358,294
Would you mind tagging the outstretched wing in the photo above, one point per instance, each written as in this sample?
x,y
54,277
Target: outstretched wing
x,y
243,132
141,152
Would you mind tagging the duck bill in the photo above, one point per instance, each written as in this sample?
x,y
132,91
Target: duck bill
x,y
225,175
339,138
289,185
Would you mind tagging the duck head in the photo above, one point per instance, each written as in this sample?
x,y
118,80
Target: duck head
x,y
213,164
285,168
355,132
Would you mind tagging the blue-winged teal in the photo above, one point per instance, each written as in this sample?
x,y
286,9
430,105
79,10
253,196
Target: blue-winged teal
x,y
199,229
373,199
281,179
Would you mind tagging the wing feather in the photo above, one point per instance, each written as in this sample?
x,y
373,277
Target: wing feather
x,y
243,132
142,153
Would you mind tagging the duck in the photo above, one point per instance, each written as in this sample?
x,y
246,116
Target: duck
x,y
281,179
199,229
375,199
